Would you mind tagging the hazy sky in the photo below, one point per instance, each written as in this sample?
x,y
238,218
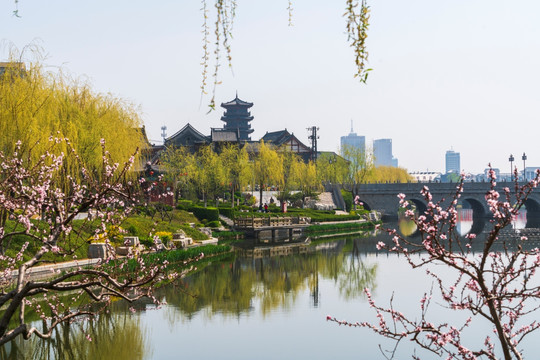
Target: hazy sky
x,y
462,73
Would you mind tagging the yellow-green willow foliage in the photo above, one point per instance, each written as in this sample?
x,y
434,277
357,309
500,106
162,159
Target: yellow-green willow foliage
x,y
35,105
267,167
238,170
389,174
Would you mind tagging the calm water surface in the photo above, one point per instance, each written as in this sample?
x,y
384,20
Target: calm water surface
x,y
260,308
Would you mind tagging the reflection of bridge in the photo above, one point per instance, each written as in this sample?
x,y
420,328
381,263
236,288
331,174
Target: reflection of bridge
x,y
272,229
383,197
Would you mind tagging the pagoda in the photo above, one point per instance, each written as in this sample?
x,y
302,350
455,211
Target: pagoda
x,y
237,118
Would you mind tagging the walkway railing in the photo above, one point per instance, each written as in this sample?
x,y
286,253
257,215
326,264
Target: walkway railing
x,y
256,222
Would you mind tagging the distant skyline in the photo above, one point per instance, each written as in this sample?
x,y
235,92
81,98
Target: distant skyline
x,y
459,73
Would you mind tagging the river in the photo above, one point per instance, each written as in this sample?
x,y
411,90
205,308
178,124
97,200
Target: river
x,y
260,308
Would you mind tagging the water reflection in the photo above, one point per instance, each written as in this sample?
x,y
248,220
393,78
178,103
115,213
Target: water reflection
x,y
234,288
249,307
113,335
466,223
520,222
406,226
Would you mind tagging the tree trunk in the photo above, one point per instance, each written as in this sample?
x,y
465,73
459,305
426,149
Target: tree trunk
x,y
260,197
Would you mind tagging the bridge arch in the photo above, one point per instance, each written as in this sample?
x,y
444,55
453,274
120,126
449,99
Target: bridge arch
x,y
479,214
533,213
420,205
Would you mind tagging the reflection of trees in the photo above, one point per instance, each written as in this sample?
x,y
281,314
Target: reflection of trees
x,y
357,275
234,288
223,287
113,336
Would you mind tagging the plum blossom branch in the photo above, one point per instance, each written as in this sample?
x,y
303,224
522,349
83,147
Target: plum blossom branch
x,y
496,285
34,206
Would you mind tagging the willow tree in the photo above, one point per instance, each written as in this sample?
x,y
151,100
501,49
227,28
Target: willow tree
x,y
179,165
268,168
35,105
309,182
209,173
389,174
237,167
359,170
292,172
331,168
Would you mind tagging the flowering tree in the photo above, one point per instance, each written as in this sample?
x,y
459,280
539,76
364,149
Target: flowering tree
x,y
38,223
496,283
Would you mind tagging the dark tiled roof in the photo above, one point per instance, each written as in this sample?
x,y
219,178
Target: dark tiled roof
x,y
186,128
220,135
276,137
237,101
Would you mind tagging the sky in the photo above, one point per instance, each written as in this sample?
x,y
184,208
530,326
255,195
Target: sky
x,y
461,74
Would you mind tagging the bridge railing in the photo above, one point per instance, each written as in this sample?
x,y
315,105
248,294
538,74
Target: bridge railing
x,y
255,222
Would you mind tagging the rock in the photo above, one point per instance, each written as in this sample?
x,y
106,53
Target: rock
x,y
123,250
131,241
206,230
97,251
179,235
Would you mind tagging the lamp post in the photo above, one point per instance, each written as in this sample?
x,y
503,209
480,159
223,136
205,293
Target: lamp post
x,y
511,159
332,161
524,157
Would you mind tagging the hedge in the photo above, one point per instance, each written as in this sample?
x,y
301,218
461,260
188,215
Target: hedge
x,y
337,227
348,199
179,255
227,211
208,213
184,204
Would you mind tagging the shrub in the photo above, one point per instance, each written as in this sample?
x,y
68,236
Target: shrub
x,y
227,211
208,213
228,235
213,224
347,198
147,242
296,196
132,230
165,236
184,204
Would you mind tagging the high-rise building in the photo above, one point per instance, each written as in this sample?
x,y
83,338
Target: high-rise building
x,y
382,152
452,162
353,140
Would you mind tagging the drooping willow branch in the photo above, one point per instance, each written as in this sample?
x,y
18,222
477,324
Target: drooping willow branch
x,y
357,15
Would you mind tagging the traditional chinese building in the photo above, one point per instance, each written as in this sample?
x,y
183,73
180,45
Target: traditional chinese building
x,y
237,130
285,140
237,118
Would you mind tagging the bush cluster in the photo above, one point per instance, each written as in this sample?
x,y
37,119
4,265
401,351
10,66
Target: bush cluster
x,y
226,211
205,213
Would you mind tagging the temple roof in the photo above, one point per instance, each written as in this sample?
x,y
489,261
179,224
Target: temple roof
x,y
186,129
221,135
236,101
276,137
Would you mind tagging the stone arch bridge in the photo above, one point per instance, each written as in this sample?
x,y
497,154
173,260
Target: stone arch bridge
x,y
383,197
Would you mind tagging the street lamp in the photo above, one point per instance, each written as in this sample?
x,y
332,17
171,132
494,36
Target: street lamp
x,y
524,157
511,159
332,161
